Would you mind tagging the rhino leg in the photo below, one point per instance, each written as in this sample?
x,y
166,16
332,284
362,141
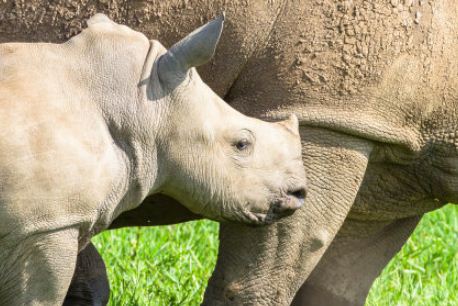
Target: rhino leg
x,y
90,282
37,270
267,265
89,286
344,275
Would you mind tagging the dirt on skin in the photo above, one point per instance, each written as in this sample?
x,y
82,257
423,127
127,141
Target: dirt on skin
x,y
247,25
277,56
384,71
316,52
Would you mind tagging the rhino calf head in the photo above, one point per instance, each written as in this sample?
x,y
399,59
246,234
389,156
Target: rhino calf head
x,y
94,125
216,161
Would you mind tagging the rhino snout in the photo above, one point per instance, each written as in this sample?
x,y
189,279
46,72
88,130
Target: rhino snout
x,y
293,200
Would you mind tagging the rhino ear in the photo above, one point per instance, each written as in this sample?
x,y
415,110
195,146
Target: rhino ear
x,y
194,50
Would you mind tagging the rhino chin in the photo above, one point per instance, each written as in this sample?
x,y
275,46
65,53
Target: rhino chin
x,y
246,217
278,208
257,218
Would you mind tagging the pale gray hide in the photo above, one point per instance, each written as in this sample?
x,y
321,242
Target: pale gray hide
x,y
92,126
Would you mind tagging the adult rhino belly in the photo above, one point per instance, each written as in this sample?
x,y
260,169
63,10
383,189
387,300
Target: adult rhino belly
x,y
390,191
355,64
444,176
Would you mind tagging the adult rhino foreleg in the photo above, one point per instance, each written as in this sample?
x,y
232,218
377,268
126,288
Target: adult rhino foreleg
x,y
389,204
267,265
358,254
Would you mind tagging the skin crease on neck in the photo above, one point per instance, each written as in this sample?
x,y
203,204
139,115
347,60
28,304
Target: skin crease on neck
x,y
134,119
373,84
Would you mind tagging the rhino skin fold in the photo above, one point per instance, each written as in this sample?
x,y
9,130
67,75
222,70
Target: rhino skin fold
x,y
375,88
94,125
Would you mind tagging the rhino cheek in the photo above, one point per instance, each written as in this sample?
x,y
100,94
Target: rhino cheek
x,y
254,193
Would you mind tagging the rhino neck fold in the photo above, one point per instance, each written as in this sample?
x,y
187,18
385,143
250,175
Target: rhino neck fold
x,y
116,80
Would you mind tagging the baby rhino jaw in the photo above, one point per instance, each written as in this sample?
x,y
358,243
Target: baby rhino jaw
x,y
279,208
225,165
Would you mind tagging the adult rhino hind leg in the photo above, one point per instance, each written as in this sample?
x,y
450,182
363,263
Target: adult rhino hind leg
x,y
37,270
89,286
345,274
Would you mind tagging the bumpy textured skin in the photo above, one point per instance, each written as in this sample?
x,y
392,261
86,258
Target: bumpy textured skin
x,y
375,84
93,126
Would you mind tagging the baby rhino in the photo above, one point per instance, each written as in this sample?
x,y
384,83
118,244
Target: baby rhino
x,y
91,127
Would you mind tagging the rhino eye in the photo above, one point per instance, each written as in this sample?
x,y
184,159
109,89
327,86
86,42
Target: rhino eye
x,y
242,144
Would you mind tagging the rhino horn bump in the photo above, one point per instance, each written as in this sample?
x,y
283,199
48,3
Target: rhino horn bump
x,y
194,50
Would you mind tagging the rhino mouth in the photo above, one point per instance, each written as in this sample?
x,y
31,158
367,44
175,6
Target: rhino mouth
x,y
279,208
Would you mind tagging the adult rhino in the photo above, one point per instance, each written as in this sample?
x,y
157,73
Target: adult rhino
x,y
93,126
375,87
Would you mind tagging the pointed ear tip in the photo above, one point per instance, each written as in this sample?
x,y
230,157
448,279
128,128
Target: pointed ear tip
x,y
217,25
220,19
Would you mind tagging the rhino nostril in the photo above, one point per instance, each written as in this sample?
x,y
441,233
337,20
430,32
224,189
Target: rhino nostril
x,y
299,193
294,200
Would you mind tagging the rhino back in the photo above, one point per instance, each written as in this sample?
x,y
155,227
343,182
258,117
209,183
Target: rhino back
x,y
385,64
246,29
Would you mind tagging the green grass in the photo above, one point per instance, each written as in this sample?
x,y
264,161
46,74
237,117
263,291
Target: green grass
x,y
425,271
171,265
167,265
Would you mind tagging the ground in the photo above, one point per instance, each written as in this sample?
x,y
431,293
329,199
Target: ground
x,y
170,265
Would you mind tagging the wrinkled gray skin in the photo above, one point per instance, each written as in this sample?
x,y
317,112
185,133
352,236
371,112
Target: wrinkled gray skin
x,y
376,87
93,126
